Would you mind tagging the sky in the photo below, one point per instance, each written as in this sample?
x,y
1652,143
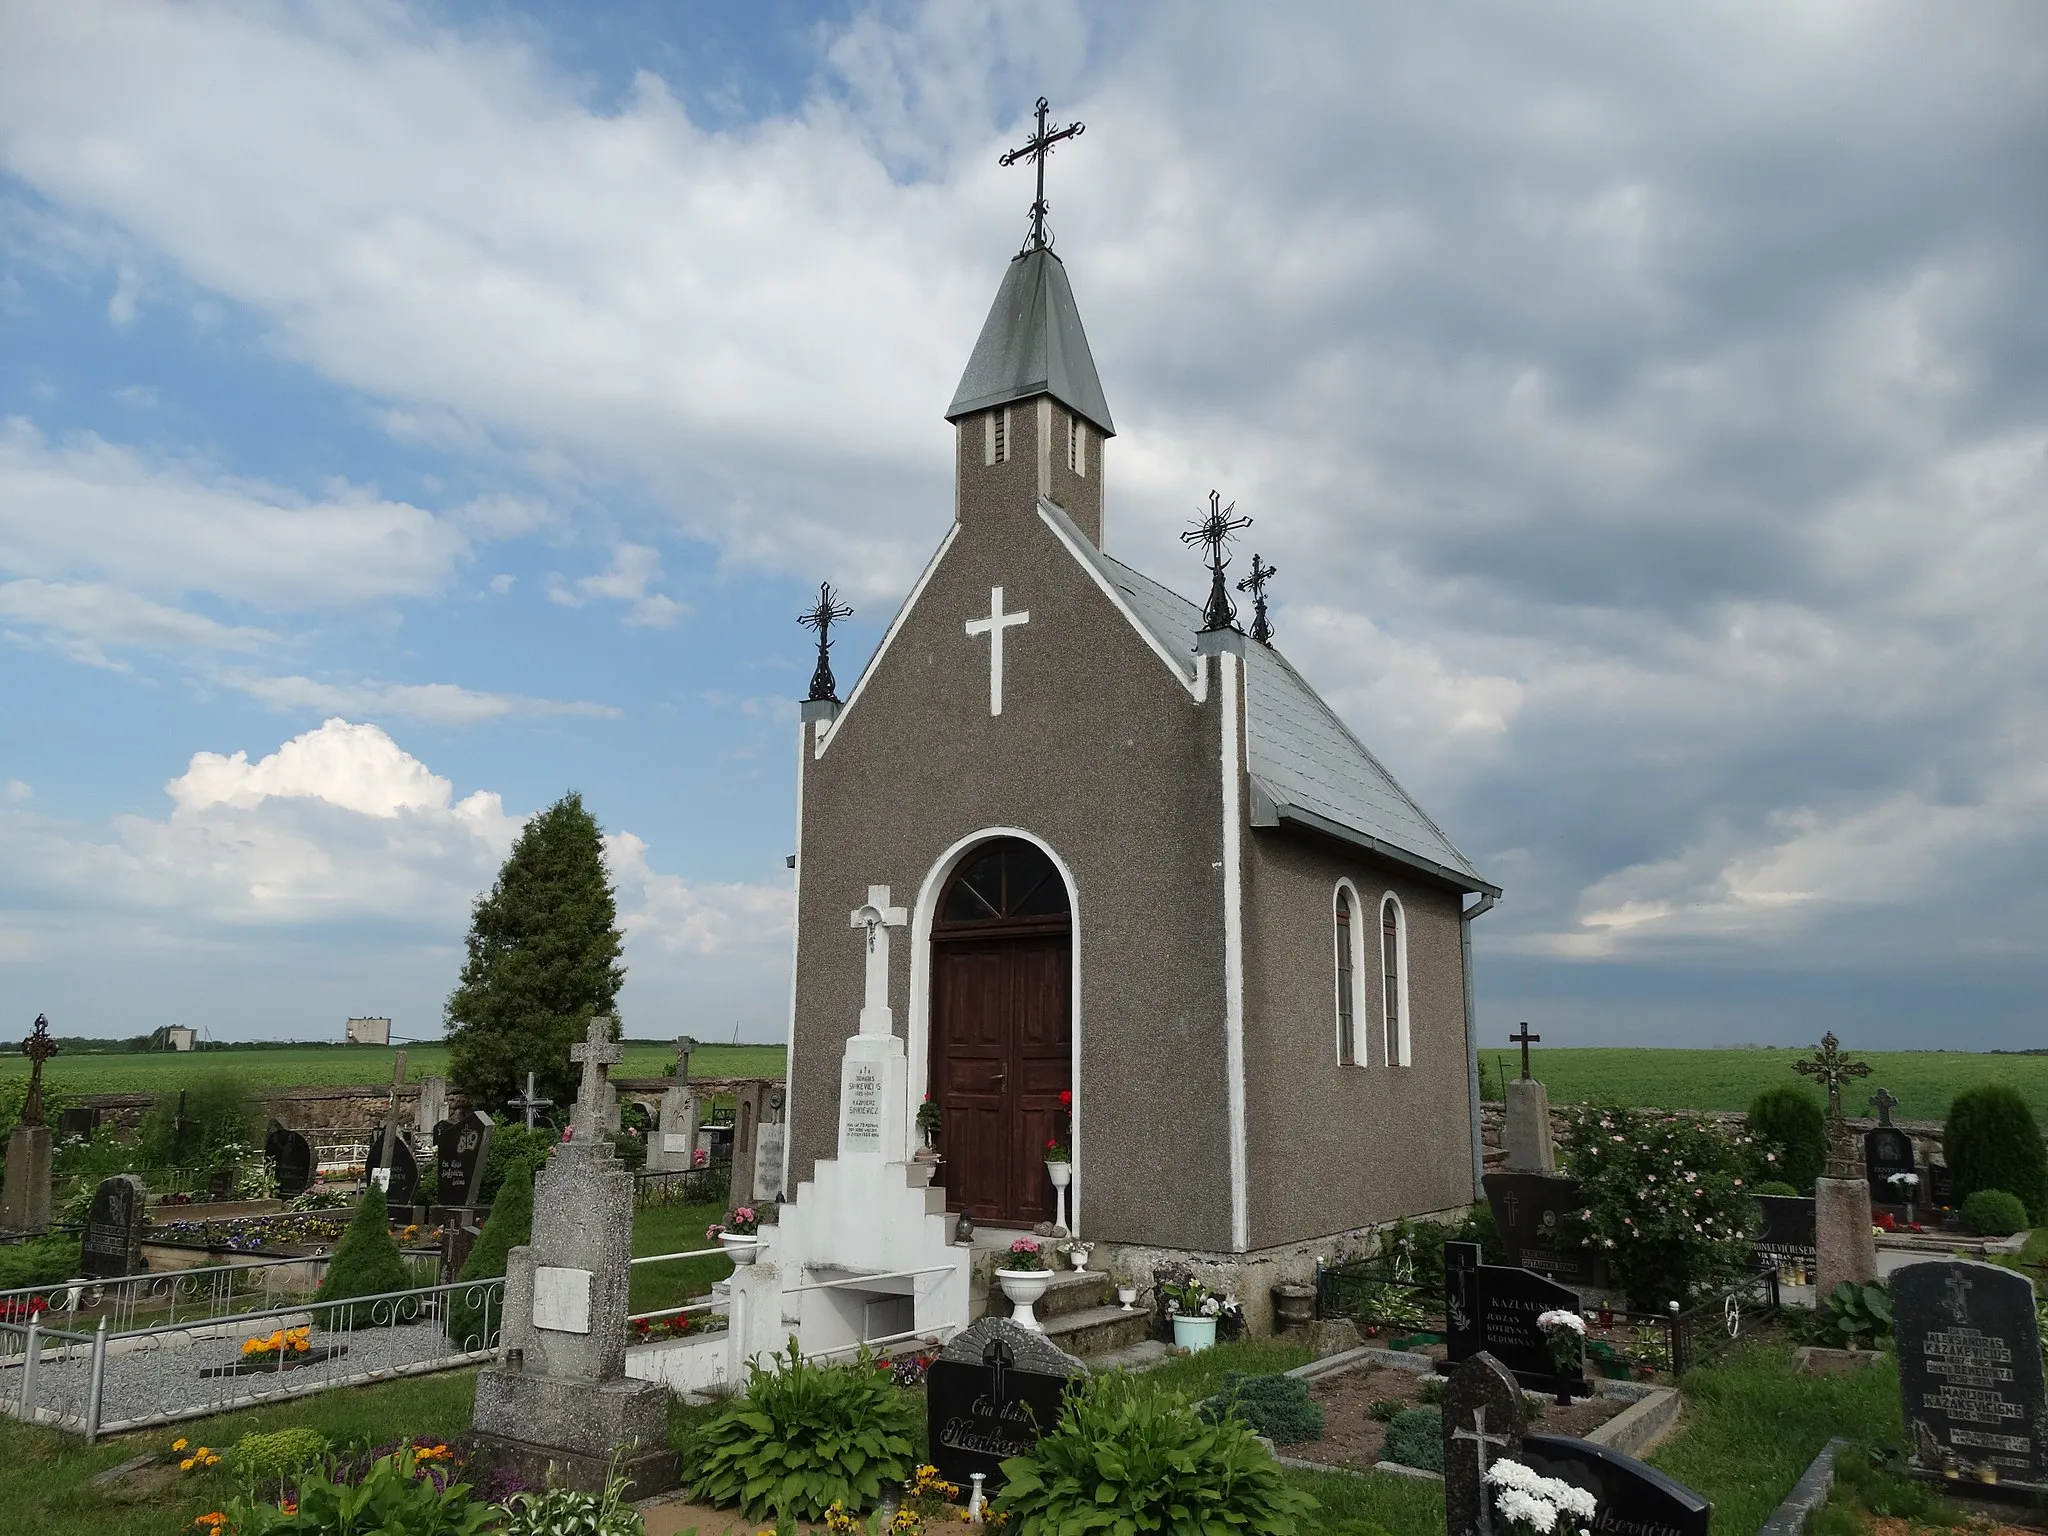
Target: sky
x,y
408,414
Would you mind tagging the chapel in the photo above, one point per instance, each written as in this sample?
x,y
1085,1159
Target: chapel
x,y
1160,904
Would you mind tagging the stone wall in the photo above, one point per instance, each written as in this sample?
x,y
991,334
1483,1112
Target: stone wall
x,y
1926,1134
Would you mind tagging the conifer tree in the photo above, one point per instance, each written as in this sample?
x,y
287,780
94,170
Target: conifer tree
x,y
366,1262
473,1317
543,958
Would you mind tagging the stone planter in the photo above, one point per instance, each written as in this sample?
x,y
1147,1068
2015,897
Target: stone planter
x,y
1294,1308
1127,1297
1077,1255
740,1247
1024,1287
1194,1334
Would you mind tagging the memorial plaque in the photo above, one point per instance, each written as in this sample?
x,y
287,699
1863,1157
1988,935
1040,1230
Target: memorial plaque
x,y
400,1181
768,1162
862,1111
1788,1232
1530,1211
111,1244
1494,1308
1483,1420
290,1157
561,1299
460,1148
1629,1498
1886,1151
1970,1384
994,1389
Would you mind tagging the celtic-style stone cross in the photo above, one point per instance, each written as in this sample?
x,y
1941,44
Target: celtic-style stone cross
x,y
1883,1102
598,1052
1832,1068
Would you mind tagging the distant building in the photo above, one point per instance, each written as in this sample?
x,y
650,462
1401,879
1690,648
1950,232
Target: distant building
x,y
368,1032
180,1037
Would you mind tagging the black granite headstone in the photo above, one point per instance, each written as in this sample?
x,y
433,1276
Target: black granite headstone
x,y
994,1389
1970,1383
112,1242
1483,1421
460,1147
1493,1307
1788,1232
1886,1151
1629,1498
1531,1211
1937,1189
291,1160
403,1180
80,1121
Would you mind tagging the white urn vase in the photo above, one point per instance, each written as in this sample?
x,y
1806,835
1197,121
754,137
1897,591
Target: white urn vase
x,y
740,1247
1024,1287
1061,1172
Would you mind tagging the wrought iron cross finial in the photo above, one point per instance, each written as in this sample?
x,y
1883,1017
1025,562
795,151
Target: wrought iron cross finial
x,y
1213,533
827,612
38,1048
1035,149
1832,1068
1262,631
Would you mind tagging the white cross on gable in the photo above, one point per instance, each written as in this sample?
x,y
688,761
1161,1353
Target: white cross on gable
x,y
878,917
993,626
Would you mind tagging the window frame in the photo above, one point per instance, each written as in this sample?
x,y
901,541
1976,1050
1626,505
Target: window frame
x,y
1396,1019
1077,445
996,439
1347,912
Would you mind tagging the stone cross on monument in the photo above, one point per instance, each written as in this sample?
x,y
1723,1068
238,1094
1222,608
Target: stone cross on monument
x,y
873,1073
598,1052
1883,1102
38,1048
1525,1040
382,1174
686,1047
1843,1247
878,917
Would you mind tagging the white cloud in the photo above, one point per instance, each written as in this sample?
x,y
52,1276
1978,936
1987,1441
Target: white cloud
x,y
105,615
633,567
663,914
435,703
15,791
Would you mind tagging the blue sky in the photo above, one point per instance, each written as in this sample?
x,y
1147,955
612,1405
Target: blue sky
x,y
408,414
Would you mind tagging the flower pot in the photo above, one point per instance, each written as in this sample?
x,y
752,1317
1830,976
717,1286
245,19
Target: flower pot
x,y
1127,1295
1077,1255
1194,1334
1024,1287
740,1247
1061,1172
1294,1308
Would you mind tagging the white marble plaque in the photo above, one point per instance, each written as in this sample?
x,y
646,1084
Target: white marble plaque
x,y
861,1114
561,1299
676,1141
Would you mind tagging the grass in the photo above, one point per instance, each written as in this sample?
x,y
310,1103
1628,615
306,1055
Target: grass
x,y
287,1066
1752,1426
673,1229
1926,1082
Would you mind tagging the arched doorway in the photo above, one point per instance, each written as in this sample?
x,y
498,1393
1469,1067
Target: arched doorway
x,y
1002,1028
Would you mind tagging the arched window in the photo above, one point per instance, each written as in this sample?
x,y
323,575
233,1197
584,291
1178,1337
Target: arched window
x,y
1347,984
1394,972
1008,882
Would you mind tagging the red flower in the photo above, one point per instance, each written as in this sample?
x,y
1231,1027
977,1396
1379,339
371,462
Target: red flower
x,y
1066,1098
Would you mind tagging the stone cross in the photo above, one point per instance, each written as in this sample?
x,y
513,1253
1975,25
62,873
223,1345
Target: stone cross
x,y
1525,1040
1958,1302
38,1048
598,1052
878,917
527,1103
1831,1067
993,626
1883,1102
686,1046
1479,1440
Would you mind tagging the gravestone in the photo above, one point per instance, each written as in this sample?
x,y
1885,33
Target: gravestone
x,y
1483,1420
674,1136
1530,1211
290,1157
430,1108
1888,1150
460,1147
111,1245
79,1122
1492,1309
1970,1384
25,1191
714,1145
994,1389
768,1159
400,1181
1787,1236
1939,1190
1629,1498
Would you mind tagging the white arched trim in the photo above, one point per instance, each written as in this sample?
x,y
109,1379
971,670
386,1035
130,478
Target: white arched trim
x,y
1396,1034
918,1028
1360,1056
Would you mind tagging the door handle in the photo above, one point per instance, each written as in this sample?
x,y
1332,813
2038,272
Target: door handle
x,y
998,1081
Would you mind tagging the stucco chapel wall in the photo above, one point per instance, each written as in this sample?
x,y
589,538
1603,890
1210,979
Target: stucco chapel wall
x,y
1332,1148
1104,755
1037,465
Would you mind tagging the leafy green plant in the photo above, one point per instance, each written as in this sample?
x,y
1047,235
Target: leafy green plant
x,y
1415,1438
1994,1213
366,1262
1432,1389
1125,1459
1774,1187
805,1436
1790,1135
1991,1141
565,1512
264,1461
40,1261
473,1309
1276,1406
219,1125
1384,1408
1858,1314
397,1494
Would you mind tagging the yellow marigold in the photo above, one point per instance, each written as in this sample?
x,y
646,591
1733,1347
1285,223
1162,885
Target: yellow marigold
x,y
185,1465
178,1444
213,1522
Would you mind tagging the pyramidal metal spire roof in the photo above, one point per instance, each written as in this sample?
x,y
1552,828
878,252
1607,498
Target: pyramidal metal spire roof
x,y
1032,344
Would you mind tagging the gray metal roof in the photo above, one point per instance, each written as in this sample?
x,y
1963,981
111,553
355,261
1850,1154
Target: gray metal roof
x,y
1306,766
1032,344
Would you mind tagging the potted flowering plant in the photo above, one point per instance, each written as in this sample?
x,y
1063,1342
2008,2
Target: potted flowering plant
x,y
1194,1310
928,1120
1022,1272
1564,1339
1903,1185
738,1234
1535,1505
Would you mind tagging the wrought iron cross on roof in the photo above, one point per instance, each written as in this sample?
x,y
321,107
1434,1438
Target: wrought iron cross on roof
x,y
1255,584
1832,1068
1213,533
1035,149
597,1051
827,611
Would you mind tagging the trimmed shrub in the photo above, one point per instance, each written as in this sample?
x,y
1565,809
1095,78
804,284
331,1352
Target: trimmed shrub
x,y
512,1145
1277,1406
1791,1136
1121,1459
1992,1142
1774,1187
808,1436
39,1261
1415,1438
366,1262
265,1461
1994,1213
509,1224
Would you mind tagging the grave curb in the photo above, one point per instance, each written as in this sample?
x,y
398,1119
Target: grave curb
x,y
1642,1424
1397,1359
1807,1495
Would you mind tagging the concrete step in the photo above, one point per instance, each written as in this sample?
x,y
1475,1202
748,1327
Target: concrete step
x,y
1074,1290
1097,1330
1141,1356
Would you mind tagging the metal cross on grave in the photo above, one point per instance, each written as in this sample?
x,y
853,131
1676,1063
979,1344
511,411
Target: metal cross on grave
x,y
1883,1102
878,917
1525,1040
1480,1440
526,1103
38,1048
1035,149
1832,1067
993,626
598,1052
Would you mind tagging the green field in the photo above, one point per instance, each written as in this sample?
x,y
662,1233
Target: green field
x,y
287,1066
1924,1082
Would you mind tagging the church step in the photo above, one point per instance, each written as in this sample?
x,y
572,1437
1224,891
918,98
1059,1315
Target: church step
x,y
1073,1290
1097,1330
1141,1356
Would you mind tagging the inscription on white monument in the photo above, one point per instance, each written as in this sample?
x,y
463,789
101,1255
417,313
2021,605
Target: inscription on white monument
x,y
863,1110
561,1299
675,1141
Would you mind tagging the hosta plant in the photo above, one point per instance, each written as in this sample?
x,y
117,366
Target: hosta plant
x,y
396,1494
565,1512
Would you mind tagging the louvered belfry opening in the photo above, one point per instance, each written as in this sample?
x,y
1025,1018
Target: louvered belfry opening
x,y
1002,1028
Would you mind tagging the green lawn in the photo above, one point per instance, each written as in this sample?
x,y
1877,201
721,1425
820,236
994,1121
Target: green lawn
x,y
674,1229
306,1066
1924,1082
